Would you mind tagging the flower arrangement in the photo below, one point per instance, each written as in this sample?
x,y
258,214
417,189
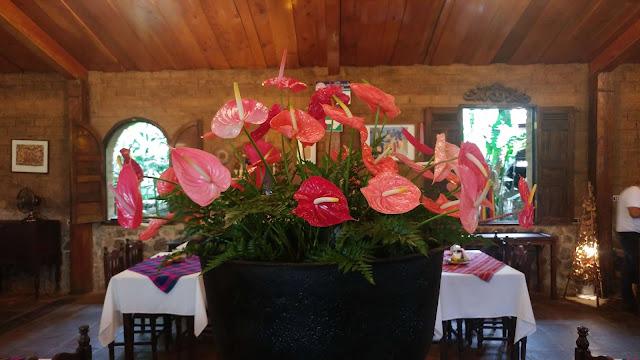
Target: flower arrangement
x,y
352,207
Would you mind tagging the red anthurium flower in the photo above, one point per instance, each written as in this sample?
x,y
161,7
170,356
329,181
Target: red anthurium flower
x,y
154,226
262,130
208,136
442,205
381,164
166,187
525,217
324,96
417,144
282,82
128,198
271,155
444,158
126,156
335,153
474,189
349,120
298,124
390,193
375,98
321,203
200,174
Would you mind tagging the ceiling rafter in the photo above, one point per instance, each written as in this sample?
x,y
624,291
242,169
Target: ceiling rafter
x,y
36,39
438,30
616,50
332,13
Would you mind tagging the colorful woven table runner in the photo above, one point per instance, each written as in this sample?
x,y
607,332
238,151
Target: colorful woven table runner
x,y
480,265
166,277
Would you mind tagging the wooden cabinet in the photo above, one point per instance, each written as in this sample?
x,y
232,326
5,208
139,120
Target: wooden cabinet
x,y
30,246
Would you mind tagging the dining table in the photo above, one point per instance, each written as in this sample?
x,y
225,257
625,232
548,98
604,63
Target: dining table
x,y
465,295
130,292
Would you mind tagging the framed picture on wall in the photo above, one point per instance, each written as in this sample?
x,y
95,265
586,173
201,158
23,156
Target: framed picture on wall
x,y
30,156
392,136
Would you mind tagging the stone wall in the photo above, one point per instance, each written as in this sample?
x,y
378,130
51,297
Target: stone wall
x,y
173,98
32,106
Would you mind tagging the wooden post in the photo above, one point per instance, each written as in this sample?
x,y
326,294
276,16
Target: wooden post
x,y
605,115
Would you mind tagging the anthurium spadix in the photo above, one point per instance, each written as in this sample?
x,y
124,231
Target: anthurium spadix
x,y
229,120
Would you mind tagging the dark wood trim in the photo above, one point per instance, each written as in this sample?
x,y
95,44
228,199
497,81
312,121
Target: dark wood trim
x,y
616,50
193,124
31,35
121,123
332,23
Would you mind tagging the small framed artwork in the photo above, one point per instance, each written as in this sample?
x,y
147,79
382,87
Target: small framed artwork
x,y
30,156
392,136
307,152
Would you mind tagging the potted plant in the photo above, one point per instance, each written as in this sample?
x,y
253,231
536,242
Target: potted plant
x,y
339,259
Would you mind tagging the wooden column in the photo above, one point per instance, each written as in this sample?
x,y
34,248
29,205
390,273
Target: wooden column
x,y
605,115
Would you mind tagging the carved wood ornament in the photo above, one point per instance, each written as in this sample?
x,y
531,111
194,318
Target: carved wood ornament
x,y
496,94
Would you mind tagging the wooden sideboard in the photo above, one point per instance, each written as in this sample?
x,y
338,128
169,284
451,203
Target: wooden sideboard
x,y
30,246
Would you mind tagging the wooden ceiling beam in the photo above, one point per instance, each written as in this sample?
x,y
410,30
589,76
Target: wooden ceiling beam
x,y
332,22
616,50
36,39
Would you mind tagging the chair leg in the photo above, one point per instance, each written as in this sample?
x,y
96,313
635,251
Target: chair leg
x,y
480,333
179,333
523,348
446,339
167,323
192,338
154,339
460,336
112,353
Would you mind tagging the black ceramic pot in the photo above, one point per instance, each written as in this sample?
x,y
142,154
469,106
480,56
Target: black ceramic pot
x,y
314,312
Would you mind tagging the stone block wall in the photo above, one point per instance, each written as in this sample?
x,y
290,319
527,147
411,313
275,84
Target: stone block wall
x,y
32,106
173,98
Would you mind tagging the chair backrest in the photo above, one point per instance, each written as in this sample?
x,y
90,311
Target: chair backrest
x,y
114,262
83,352
134,252
582,351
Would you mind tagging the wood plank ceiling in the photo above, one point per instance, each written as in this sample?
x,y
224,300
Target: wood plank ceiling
x,y
150,35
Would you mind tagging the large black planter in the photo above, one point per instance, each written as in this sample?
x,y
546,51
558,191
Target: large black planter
x,y
314,312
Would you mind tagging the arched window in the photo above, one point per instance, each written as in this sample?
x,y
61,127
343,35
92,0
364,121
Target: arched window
x,y
148,146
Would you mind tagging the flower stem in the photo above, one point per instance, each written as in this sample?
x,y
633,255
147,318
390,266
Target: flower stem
x,y
255,146
329,147
160,179
375,126
437,216
286,161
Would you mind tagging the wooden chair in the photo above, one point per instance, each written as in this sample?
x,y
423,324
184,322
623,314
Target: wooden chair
x,y
582,347
133,252
116,261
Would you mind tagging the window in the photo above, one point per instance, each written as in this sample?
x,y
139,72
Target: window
x,y
148,146
505,137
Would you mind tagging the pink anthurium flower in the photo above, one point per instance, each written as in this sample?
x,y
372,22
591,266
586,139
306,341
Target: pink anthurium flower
x,y
427,174
417,144
444,158
376,98
285,83
154,227
383,163
229,120
321,203
200,174
126,156
128,198
324,96
525,217
347,119
442,205
390,193
298,124
474,180
166,187
264,128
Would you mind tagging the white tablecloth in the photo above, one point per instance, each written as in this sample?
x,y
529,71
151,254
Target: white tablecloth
x,y
464,296
130,292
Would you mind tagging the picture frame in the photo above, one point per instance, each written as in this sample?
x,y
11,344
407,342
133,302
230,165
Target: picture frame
x,y
392,134
30,156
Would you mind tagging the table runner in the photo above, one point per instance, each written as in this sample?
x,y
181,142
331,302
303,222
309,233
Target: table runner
x,y
480,265
166,277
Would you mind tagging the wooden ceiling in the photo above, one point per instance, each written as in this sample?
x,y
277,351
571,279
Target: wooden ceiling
x,y
150,35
